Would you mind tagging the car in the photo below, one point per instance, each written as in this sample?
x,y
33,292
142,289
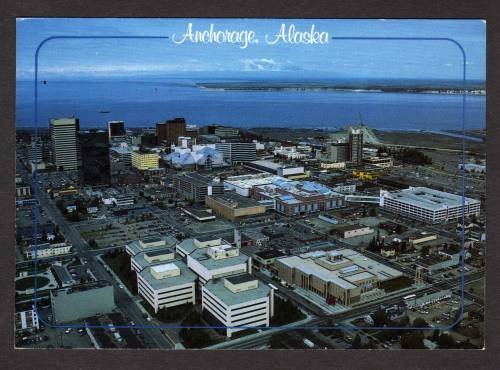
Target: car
x,y
120,286
148,318
132,323
68,330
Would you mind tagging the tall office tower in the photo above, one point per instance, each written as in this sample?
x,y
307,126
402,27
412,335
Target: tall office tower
x,y
64,143
35,150
237,152
356,146
192,131
94,146
148,139
337,152
116,129
167,132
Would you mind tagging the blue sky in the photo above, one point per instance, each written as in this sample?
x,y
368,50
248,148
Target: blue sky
x,y
345,59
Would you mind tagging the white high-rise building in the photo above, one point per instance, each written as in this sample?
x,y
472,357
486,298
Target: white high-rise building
x,y
64,143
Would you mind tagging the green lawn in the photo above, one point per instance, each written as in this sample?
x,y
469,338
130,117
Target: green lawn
x,y
29,282
120,264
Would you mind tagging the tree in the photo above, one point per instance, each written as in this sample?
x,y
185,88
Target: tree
x,y
356,343
372,212
380,318
435,335
425,250
399,229
412,340
420,323
446,341
194,337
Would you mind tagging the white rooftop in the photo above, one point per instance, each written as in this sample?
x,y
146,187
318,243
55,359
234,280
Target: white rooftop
x,y
427,198
165,267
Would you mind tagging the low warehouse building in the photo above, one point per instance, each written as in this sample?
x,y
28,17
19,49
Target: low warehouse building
x,y
81,301
351,231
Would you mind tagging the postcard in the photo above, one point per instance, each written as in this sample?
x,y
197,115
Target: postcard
x,y
250,183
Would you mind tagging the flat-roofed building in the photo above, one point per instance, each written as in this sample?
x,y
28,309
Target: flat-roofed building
x,y
169,131
237,152
225,132
64,142
94,147
351,231
144,160
342,276
199,214
45,250
187,246
267,257
167,284
429,205
82,301
218,261
122,153
26,320
123,200
233,206
244,184
236,301
382,162
150,244
299,197
275,168
152,257
116,129
195,187
441,260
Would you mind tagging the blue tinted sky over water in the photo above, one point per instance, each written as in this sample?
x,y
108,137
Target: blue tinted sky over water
x,y
344,59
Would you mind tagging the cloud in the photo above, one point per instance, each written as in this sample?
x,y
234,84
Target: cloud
x,y
120,69
268,64
262,64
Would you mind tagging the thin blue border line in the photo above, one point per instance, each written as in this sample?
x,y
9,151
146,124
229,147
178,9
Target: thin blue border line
x,y
284,327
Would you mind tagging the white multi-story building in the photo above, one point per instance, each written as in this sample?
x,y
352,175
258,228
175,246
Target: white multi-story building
x,y
150,244
237,302
45,250
167,285
217,261
237,152
429,205
187,246
149,258
64,143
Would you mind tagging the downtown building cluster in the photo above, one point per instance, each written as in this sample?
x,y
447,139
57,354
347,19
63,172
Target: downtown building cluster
x,y
206,269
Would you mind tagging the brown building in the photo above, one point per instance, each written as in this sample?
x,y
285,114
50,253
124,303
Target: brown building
x,y
233,206
168,132
342,276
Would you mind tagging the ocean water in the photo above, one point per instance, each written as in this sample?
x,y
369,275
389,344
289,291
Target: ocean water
x,y
144,103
